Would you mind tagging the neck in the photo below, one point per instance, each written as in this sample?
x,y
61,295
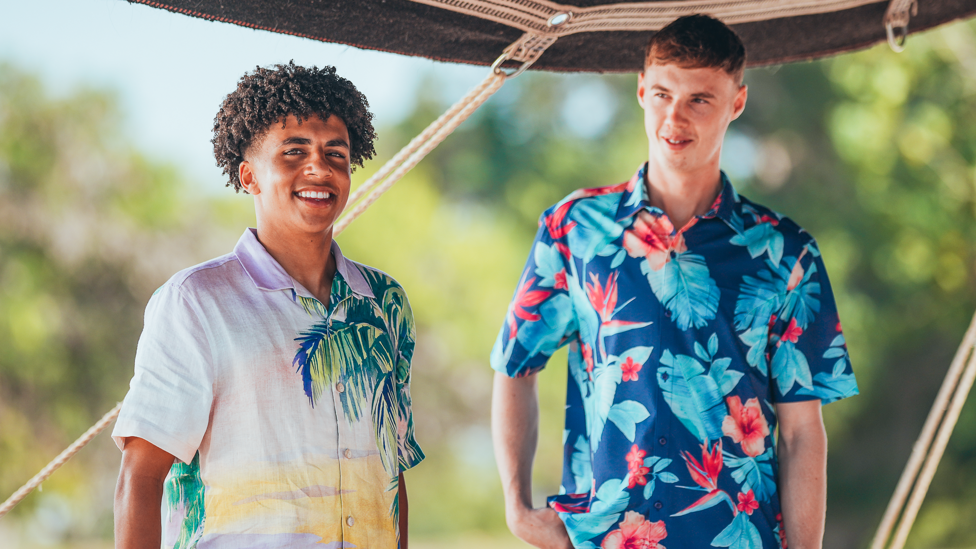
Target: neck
x,y
682,195
305,257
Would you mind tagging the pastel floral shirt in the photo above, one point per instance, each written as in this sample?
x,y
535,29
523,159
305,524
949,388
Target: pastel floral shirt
x,y
290,418
681,344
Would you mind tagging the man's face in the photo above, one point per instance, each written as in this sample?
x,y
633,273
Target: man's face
x,y
299,174
686,113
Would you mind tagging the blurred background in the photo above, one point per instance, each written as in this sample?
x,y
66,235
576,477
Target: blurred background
x,y
107,188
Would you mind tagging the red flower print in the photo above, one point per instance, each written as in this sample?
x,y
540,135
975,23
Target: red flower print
x,y
630,369
705,474
598,191
781,530
769,219
772,320
636,532
604,300
635,458
587,356
561,280
564,249
651,236
524,298
746,425
796,275
555,221
838,326
747,503
793,332
636,472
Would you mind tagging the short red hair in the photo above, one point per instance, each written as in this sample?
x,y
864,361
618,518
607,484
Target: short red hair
x,y
697,42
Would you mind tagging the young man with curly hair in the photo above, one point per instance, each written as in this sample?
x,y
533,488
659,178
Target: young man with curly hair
x,y
270,405
697,320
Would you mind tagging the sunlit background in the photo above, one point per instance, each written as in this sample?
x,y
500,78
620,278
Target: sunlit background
x,y
108,187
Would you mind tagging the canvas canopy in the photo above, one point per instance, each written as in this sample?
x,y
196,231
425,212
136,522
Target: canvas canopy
x,y
589,35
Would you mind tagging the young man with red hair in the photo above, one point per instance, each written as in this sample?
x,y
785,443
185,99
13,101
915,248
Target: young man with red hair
x,y
697,321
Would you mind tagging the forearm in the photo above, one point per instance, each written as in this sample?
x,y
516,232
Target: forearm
x,y
803,485
404,512
139,494
515,432
137,512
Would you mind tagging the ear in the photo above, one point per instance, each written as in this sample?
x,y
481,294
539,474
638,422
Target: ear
x,y
246,174
641,89
739,104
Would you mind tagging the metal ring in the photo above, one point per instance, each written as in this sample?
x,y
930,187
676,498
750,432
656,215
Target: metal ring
x,y
496,67
897,44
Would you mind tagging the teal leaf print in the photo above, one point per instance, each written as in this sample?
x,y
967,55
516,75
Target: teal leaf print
x,y
385,415
595,226
610,501
760,239
802,303
545,334
740,534
618,259
756,339
684,286
548,263
626,415
837,384
754,473
696,397
614,327
580,465
759,298
185,496
790,366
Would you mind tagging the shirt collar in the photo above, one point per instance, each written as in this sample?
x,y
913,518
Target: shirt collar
x,y
634,199
268,274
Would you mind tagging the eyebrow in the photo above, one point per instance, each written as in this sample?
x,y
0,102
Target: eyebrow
x,y
706,95
307,141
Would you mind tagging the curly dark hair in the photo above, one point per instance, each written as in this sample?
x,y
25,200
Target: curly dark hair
x,y
268,95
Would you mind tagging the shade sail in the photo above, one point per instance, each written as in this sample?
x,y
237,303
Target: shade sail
x,y
476,32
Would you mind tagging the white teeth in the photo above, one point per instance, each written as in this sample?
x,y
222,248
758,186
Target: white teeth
x,y
314,194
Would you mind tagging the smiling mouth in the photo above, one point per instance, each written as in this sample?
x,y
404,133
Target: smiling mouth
x,y
677,141
316,198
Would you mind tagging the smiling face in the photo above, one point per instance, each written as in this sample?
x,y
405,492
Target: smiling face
x,y
686,113
299,176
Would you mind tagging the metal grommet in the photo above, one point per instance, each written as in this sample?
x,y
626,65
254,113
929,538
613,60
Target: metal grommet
x,y
560,18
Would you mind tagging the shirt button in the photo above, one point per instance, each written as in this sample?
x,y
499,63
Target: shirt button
x,y
340,387
658,505
667,314
662,441
673,254
348,453
350,521
664,376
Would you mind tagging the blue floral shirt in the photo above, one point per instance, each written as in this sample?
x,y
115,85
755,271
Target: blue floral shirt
x,y
681,343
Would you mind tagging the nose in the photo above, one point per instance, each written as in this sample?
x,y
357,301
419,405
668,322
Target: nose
x,y
675,114
317,165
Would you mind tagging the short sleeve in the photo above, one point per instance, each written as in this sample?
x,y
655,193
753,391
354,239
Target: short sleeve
x,y
540,318
408,450
807,350
170,395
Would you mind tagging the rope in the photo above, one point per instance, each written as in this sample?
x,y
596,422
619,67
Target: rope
x,y
939,424
546,18
419,148
60,460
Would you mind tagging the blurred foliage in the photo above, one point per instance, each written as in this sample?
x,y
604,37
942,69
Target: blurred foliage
x,y
874,153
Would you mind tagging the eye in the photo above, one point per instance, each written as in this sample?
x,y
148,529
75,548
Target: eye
x,y
292,152
661,95
700,101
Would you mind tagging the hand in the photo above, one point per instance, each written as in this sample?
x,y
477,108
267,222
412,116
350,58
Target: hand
x,y
539,527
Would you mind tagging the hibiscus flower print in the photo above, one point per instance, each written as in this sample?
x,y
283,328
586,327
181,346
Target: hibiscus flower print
x,y
747,502
651,236
630,369
636,472
524,301
746,425
636,532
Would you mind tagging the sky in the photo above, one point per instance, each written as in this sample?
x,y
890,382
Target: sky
x,y
170,71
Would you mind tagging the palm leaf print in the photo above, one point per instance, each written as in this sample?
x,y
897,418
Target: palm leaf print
x,y
184,493
686,288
